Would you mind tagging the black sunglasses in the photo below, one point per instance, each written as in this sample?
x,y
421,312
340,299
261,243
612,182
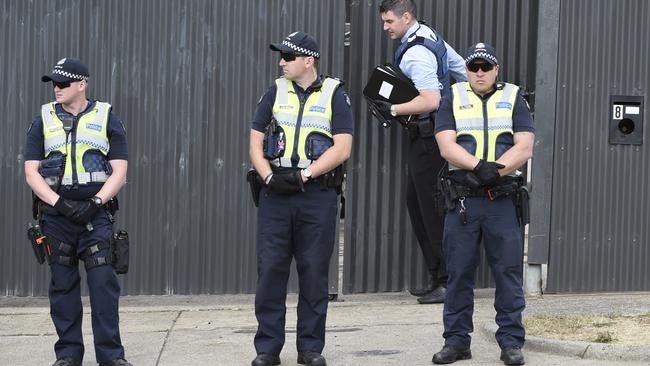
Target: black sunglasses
x,y
61,85
485,67
288,57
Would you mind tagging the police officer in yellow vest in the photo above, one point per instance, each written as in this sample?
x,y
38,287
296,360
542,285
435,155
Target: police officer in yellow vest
x,y
485,132
75,163
301,135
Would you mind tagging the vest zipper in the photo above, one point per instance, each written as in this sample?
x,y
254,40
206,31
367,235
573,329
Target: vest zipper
x,y
295,156
485,130
73,151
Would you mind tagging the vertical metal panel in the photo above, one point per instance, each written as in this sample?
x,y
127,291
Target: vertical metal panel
x,y
545,101
600,210
380,249
185,78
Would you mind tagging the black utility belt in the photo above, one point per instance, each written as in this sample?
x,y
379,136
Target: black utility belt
x,y
112,206
492,193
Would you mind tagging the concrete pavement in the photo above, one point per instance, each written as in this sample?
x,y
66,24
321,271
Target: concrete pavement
x,y
370,329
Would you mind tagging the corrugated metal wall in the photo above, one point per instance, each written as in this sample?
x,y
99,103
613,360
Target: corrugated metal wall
x,y
600,207
184,77
380,249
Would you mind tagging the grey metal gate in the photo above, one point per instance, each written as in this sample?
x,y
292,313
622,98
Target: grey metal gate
x,y
600,209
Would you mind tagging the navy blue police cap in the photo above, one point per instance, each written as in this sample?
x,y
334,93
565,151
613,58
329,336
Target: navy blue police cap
x,y
67,70
299,43
483,51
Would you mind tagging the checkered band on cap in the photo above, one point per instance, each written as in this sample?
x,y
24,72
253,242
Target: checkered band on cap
x,y
481,54
69,75
300,49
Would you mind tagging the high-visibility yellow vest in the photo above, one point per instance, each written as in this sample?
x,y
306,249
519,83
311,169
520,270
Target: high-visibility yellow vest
x,y
91,134
479,126
298,120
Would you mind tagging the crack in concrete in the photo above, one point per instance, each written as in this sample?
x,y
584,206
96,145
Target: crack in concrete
x,y
585,352
162,349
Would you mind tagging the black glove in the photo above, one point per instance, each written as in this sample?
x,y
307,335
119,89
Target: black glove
x,y
286,183
383,106
85,212
81,212
488,171
65,207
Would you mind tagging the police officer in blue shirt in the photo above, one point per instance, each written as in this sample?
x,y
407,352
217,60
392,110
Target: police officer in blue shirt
x,y
90,143
485,132
428,61
301,135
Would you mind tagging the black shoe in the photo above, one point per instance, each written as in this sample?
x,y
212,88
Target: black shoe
x,y
311,358
265,359
512,356
430,286
449,354
66,361
437,296
116,362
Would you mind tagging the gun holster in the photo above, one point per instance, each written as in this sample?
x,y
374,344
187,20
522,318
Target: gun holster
x,y
40,244
445,193
255,183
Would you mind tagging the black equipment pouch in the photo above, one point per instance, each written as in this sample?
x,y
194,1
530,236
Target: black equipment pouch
x,y
274,141
333,179
523,205
504,190
120,251
112,206
317,144
40,244
52,169
255,183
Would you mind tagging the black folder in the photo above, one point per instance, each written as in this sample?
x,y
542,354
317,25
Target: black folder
x,y
388,83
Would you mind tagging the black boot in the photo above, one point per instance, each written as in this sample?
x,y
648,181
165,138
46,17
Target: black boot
x,y
449,354
430,286
512,356
265,359
311,358
436,296
66,361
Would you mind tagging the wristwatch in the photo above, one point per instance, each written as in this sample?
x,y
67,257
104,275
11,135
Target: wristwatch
x,y
306,173
393,112
97,201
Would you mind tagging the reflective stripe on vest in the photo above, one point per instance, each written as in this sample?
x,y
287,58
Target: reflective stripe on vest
x,y
316,118
484,129
91,134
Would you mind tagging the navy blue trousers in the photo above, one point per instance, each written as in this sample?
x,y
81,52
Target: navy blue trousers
x,y
494,222
300,226
65,293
